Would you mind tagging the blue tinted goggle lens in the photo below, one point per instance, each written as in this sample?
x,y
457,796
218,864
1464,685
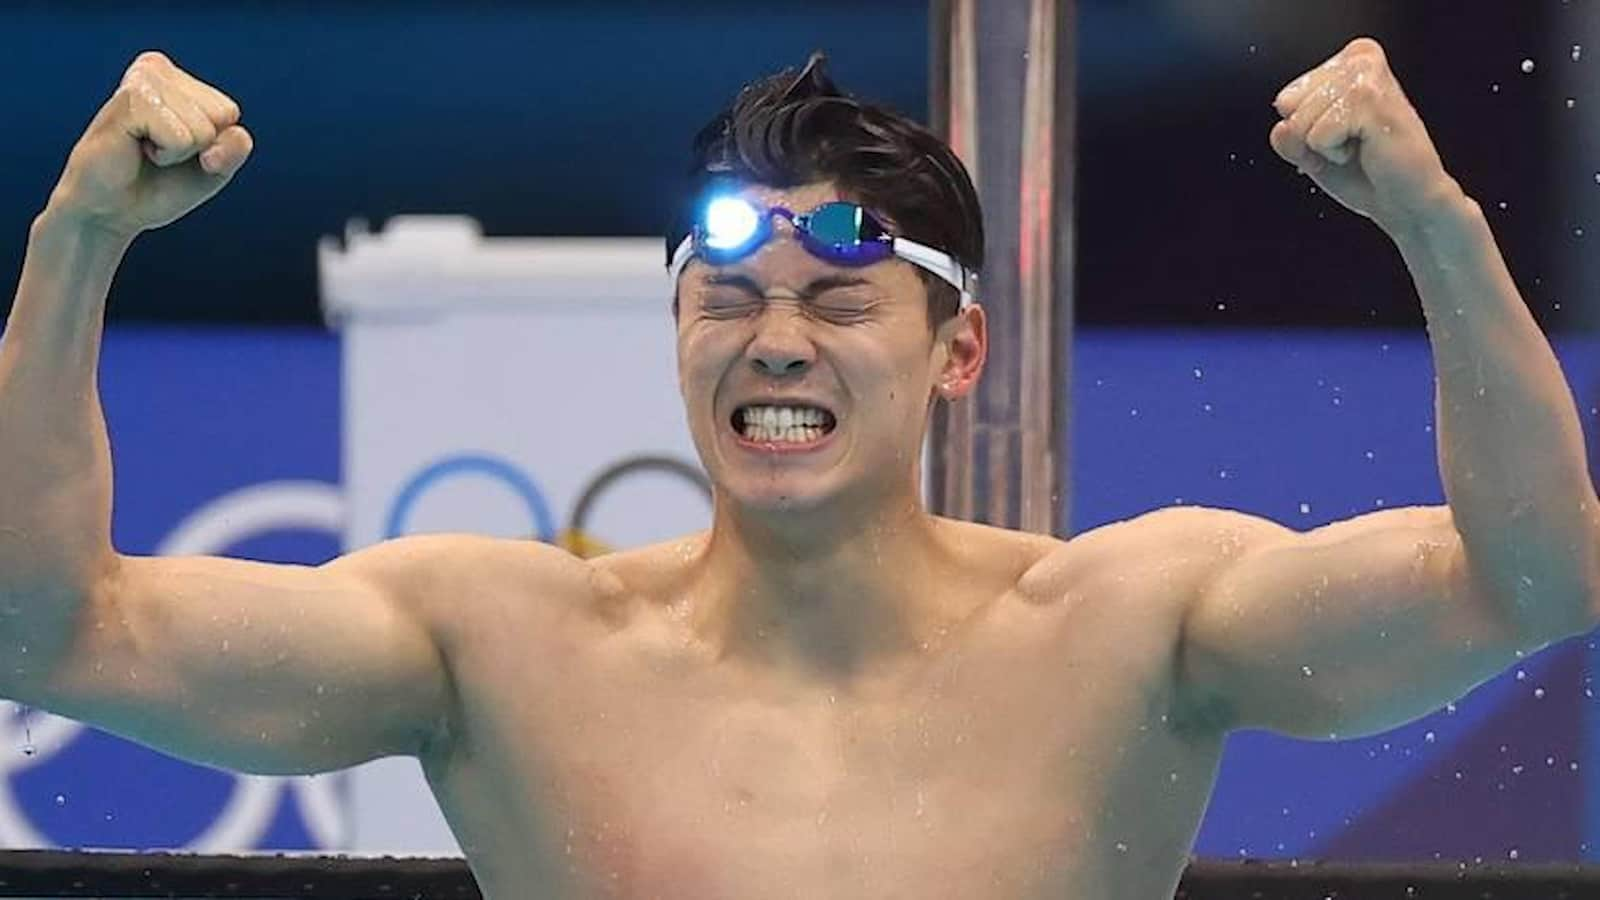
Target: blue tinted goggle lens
x,y
840,232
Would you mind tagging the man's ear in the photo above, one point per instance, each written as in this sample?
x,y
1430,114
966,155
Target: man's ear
x,y
965,339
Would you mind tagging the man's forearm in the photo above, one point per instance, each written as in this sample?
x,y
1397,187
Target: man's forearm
x,y
1511,448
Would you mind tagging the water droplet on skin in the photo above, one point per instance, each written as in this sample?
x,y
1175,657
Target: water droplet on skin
x,y
1527,67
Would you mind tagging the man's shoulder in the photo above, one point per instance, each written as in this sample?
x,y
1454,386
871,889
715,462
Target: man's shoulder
x,y
433,572
1160,539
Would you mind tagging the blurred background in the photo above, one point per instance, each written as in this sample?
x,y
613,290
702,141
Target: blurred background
x,y
574,119
1244,342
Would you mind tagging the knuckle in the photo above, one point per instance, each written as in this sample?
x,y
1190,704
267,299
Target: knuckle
x,y
138,97
152,58
1366,46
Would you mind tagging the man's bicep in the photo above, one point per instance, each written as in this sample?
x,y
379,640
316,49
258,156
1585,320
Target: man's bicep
x,y
1348,629
257,666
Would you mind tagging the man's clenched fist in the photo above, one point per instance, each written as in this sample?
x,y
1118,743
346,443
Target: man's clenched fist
x,y
162,145
1348,126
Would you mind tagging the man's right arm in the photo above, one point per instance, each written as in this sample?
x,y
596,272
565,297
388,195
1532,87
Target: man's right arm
x,y
246,665
259,667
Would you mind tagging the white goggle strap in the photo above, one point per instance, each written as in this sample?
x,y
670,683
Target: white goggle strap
x,y
941,264
680,258
936,261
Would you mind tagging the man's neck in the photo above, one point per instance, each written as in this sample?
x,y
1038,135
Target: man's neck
x,y
825,594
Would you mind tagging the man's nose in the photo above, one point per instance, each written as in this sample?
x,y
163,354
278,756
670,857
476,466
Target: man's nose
x,y
780,346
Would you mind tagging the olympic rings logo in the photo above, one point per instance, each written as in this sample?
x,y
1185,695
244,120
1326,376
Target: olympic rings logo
x,y
577,537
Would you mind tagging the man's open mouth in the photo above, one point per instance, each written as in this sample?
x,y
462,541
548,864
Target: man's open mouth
x,y
782,424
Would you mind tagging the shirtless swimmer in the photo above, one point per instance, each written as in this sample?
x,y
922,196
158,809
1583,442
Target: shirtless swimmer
x,y
830,693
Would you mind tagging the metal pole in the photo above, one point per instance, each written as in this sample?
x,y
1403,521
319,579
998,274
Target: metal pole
x,y
1004,78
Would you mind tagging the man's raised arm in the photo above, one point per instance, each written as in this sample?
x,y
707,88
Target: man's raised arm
x,y
248,665
1361,625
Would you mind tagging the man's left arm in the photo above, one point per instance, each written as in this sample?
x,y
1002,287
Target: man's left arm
x,y
1367,623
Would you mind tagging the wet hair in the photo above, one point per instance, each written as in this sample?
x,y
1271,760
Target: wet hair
x,y
796,128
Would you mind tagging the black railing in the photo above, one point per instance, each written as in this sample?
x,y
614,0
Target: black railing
x,y
54,873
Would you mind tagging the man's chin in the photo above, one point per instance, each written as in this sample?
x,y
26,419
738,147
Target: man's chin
x,y
797,496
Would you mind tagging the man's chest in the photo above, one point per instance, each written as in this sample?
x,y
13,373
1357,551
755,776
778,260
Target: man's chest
x,y
995,755
732,798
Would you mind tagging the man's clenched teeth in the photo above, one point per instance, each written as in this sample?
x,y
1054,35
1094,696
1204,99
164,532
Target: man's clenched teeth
x,y
782,424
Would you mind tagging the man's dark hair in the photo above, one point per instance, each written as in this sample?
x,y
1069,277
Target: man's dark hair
x,y
795,128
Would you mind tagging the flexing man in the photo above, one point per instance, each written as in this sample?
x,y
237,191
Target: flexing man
x,y
830,693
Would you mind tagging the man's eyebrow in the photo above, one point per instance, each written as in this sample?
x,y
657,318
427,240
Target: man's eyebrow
x,y
817,286
829,282
728,279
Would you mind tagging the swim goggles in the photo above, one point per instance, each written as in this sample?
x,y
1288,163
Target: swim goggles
x,y
730,228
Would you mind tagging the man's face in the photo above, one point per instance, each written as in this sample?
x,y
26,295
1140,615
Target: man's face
x,y
805,381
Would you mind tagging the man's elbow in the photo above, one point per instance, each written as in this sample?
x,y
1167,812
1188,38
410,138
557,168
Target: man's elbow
x,y
1554,608
1536,597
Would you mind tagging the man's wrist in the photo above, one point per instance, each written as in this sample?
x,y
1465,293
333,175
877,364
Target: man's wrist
x,y
1439,218
62,227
